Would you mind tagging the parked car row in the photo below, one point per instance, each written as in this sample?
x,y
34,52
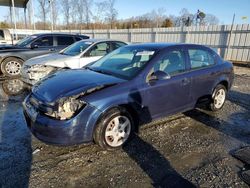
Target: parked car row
x,y
75,56
12,57
106,100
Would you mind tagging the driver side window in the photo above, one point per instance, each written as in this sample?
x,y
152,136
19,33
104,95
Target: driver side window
x,y
100,49
172,63
44,41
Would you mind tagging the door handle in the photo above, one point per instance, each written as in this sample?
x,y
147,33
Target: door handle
x,y
185,81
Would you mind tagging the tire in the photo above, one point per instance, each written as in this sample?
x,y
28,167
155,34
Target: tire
x,y
11,66
13,87
218,98
107,134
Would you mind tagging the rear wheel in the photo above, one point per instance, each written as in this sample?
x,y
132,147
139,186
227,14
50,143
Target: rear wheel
x,y
218,98
11,66
114,129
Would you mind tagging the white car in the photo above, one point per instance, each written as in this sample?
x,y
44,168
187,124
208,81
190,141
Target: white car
x,y
74,56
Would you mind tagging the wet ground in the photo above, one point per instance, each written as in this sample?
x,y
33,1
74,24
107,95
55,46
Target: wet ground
x,y
185,150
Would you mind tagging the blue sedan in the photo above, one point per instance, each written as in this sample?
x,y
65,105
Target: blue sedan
x,y
106,102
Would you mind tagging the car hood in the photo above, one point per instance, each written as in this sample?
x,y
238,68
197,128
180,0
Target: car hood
x,y
54,59
71,82
7,48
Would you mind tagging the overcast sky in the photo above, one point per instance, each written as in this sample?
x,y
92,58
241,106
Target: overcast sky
x,y
223,9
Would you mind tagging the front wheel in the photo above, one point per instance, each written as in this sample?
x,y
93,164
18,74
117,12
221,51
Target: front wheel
x,y
114,129
11,67
218,98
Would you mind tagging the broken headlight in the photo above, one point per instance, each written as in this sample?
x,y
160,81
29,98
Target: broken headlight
x,y
39,71
67,108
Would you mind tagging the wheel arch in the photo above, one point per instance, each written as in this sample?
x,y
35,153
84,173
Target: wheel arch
x,y
128,107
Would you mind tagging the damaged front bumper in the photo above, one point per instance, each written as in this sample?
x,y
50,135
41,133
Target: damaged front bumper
x,y
77,130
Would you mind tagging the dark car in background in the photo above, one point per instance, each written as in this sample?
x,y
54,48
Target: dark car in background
x,y
13,56
106,101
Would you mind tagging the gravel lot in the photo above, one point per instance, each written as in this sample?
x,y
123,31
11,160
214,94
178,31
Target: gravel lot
x,y
190,149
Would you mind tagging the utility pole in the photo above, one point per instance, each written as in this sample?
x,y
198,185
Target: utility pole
x,y
32,13
14,17
51,15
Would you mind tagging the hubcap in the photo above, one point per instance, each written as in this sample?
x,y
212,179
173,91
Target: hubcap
x,y
13,67
118,131
219,98
14,86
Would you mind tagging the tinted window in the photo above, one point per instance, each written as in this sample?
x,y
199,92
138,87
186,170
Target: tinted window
x,y
78,38
117,45
200,58
44,41
172,63
65,40
100,49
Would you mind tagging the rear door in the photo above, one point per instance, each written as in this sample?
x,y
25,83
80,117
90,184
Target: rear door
x,y
203,71
168,96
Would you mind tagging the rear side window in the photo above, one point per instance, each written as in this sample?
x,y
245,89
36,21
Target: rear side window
x,y
78,38
64,40
44,41
117,45
200,58
172,63
100,49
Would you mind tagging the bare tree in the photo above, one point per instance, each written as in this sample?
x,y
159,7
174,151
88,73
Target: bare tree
x,y
54,11
112,13
43,8
100,12
66,4
74,13
87,4
211,19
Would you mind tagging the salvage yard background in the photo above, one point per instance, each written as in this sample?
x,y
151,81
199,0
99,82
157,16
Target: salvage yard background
x,y
232,41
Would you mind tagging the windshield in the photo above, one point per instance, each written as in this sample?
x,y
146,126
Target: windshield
x,y
125,62
76,48
25,41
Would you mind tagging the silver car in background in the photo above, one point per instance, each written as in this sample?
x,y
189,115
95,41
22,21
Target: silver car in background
x,y
74,56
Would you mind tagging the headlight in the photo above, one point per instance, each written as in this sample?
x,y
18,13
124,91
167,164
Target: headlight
x,y
41,68
67,108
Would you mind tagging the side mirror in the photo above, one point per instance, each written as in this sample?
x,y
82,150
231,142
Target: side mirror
x,y
159,75
32,46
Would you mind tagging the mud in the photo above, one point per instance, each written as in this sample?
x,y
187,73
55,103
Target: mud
x,y
190,149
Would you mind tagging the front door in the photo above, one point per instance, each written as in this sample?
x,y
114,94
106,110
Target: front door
x,y
167,96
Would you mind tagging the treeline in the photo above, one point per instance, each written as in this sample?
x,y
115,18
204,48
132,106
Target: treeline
x,y
88,14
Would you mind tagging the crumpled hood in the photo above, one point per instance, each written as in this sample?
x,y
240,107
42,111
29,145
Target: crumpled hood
x,y
54,59
71,82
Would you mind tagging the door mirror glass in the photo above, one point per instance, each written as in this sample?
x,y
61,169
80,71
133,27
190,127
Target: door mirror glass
x,y
159,75
32,46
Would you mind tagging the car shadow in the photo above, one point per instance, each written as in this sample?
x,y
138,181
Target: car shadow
x,y
155,165
150,160
239,98
15,139
237,129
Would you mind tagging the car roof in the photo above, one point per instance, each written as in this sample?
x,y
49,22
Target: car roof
x,y
162,45
68,34
100,40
